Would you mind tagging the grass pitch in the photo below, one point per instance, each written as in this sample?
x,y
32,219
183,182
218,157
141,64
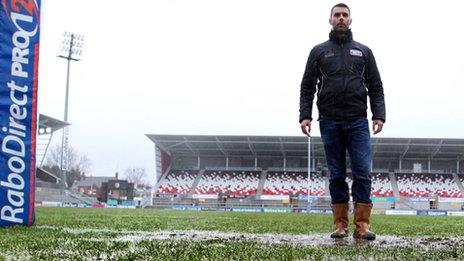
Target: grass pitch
x,y
123,234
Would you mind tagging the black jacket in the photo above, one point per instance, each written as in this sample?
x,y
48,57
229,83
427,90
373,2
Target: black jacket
x,y
345,73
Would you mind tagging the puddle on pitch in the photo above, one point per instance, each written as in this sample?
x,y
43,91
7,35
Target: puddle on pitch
x,y
301,240
314,240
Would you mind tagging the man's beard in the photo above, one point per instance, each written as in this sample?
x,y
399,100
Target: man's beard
x,y
340,30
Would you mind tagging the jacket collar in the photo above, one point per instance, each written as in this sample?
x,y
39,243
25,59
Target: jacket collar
x,y
348,38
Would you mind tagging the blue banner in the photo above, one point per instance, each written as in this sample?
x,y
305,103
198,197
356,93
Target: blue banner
x,y
304,198
431,213
418,200
19,61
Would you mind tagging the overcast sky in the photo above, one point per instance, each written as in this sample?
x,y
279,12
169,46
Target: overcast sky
x,y
234,68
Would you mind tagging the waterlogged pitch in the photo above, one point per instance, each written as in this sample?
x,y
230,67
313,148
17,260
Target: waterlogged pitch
x,y
101,234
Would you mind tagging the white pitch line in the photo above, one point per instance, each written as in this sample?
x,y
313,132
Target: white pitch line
x,y
313,240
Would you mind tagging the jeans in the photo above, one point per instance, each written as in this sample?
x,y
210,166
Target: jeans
x,y
338,136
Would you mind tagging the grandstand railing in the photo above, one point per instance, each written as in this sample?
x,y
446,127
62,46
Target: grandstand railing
x,y
432,171
380,170
400,204
290,169
237,204
234,168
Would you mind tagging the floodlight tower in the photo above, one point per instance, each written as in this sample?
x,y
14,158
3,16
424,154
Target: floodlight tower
x,y
71,50
309,171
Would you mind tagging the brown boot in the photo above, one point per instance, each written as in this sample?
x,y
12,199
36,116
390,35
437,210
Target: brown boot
x,y
340,215
362,214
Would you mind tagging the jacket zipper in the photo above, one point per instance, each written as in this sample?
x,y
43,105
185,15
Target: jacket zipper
x,y
344,77
322,84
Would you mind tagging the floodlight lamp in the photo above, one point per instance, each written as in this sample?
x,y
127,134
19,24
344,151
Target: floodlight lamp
x,y
70,45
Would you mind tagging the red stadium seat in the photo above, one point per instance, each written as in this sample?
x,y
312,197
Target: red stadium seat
x,y
286,183
427,185
177,182
235,183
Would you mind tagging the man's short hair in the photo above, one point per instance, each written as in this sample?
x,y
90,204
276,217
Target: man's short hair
x,y
339,5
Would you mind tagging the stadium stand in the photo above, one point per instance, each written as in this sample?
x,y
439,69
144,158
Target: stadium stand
x,y
403,170
245,183
460,179
177,182
46,176
83,198
47,127
381,185
236,183
427,185
47,194
286,183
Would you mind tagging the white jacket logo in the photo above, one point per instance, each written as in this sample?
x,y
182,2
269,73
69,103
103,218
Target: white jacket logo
x,y
355,52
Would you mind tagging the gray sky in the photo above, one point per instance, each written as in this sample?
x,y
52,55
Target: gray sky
x,y
235,67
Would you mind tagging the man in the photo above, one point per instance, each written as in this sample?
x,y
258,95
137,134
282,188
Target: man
x,y
345,73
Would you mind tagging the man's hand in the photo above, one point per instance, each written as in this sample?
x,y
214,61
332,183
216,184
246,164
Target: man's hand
x,y
377,126
306,126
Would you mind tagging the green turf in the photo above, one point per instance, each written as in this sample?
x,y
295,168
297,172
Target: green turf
x,y
45,242
289,223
